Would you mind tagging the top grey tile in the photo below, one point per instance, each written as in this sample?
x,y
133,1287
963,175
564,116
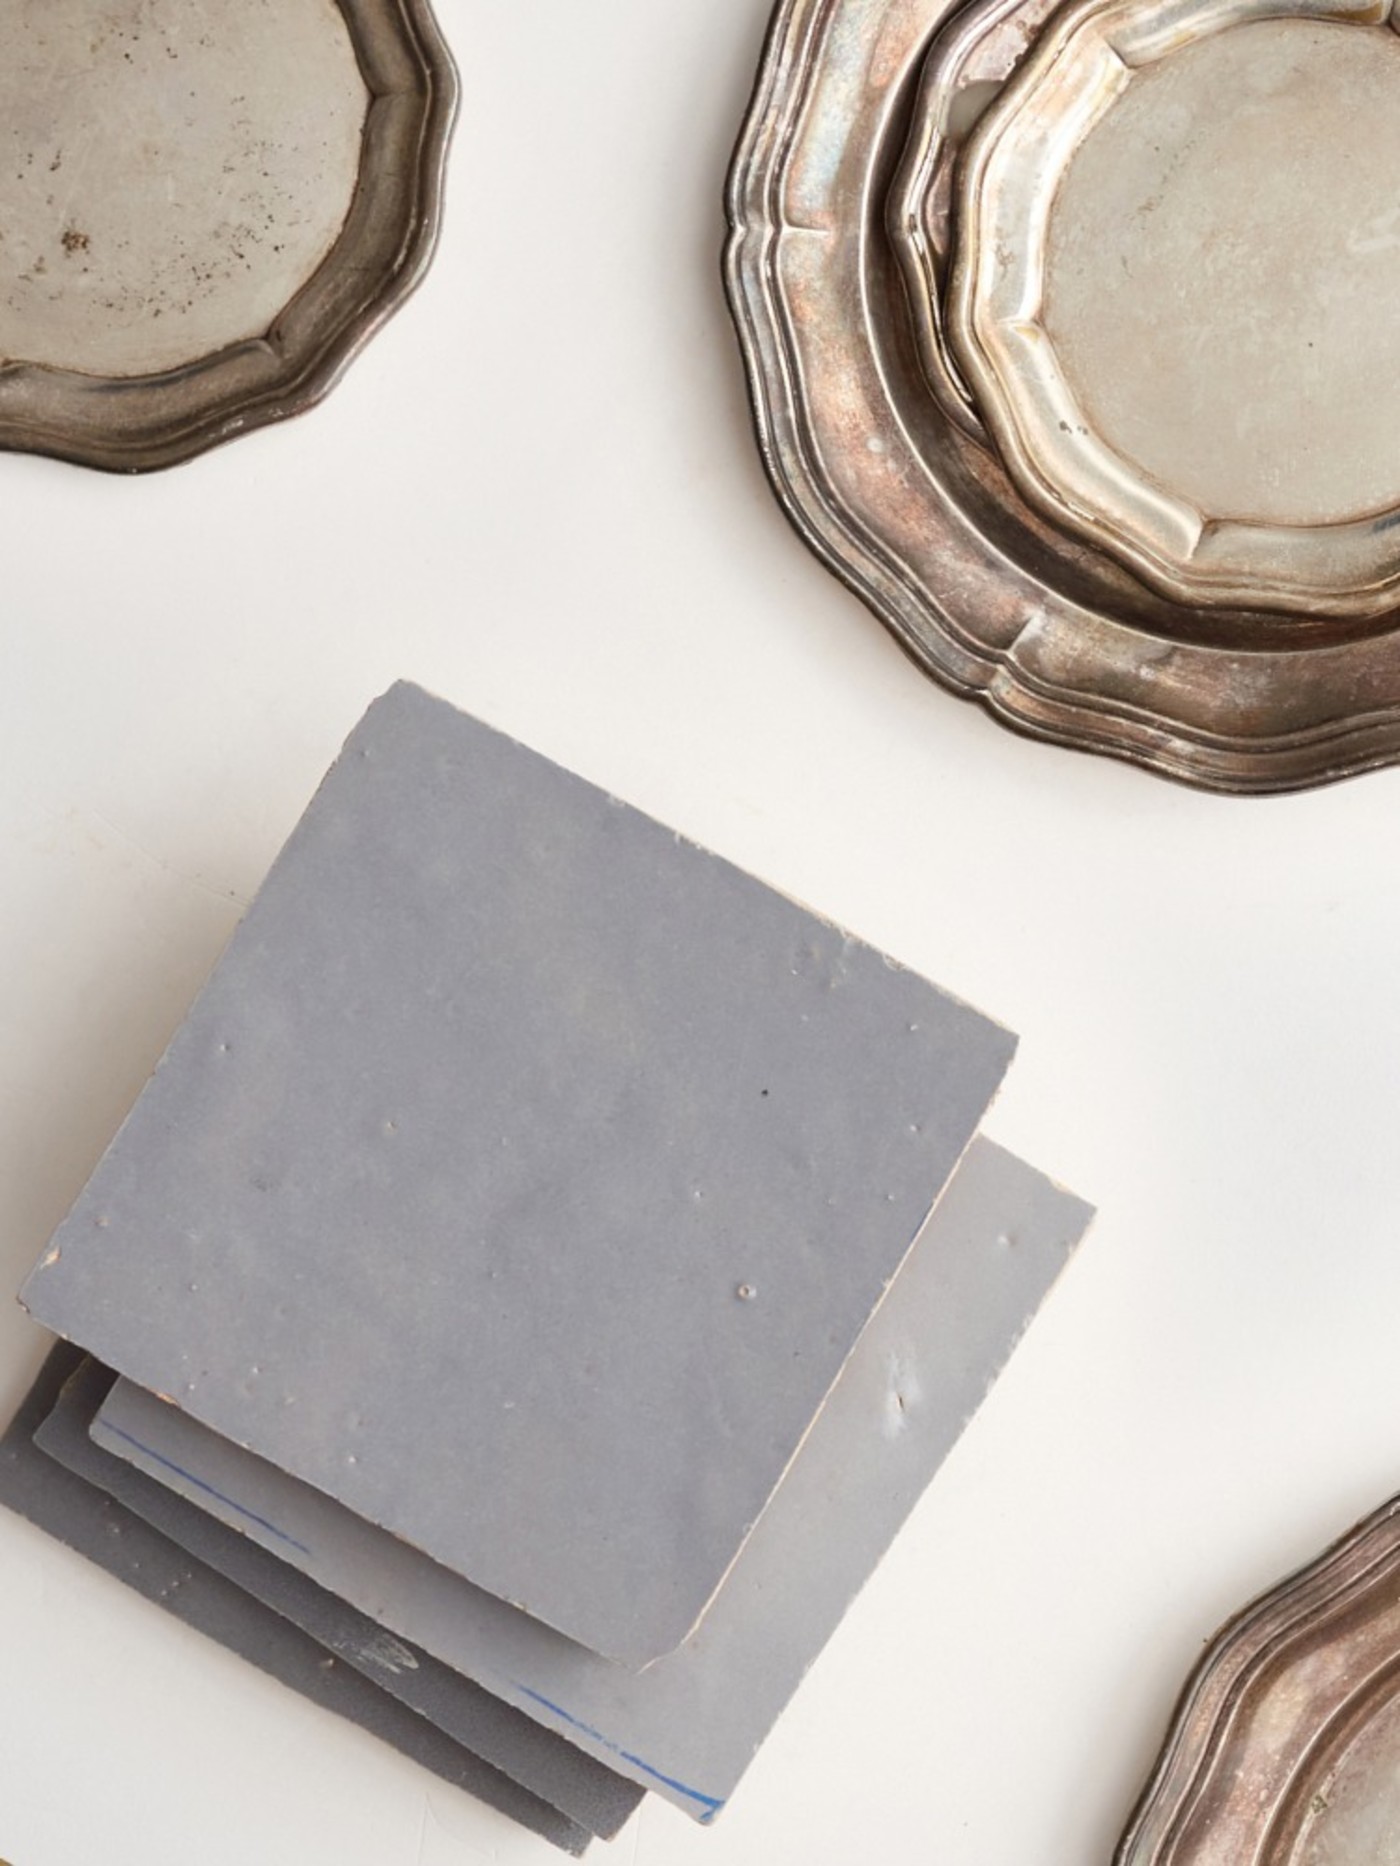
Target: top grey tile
x,y
522,1178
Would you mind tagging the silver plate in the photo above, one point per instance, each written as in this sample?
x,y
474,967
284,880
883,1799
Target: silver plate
x,y
900,492
967,65
1285,1749
1177,263
207,210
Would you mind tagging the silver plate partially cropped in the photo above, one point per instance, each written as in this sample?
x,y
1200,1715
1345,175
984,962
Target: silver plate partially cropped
x,y
1285,1748
206,209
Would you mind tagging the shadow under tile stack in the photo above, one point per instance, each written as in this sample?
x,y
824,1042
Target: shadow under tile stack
x,y
541,1276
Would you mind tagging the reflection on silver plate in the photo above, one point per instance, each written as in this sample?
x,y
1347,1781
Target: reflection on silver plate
x,y
1285,1748
967,65
1177,265
206,209
843,210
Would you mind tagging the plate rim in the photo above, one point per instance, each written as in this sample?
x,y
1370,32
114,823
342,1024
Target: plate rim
x,y
1344,1579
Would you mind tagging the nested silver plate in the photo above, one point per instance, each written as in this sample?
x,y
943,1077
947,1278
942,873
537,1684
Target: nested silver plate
x,y
1285,1749
1177,266
846,202
206,209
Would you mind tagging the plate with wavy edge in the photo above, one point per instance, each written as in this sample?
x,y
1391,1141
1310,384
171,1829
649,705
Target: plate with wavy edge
x,y
1285,1747
921,521
208,210
1175,265
967,65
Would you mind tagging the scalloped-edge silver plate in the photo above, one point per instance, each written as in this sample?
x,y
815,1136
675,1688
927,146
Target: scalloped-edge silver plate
x,y
1285,1747
1177,260
901,495
967,66
207,209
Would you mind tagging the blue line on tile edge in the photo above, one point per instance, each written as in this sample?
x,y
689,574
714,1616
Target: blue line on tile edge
x,y
708,1802
199,1483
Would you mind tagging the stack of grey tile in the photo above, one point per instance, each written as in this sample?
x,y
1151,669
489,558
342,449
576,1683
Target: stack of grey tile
x,y
539,1279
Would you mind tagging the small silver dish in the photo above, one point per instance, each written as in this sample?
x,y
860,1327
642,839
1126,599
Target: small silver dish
x,y
207,209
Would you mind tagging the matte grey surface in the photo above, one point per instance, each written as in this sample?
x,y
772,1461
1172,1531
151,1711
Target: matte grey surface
x,y
689,1725
37,1488
522,1178
548,1765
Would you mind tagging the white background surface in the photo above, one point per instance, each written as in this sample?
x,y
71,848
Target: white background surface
x,y
537,494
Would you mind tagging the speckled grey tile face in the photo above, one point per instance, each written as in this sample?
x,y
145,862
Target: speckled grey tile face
x,y
40,1490
689,1725
522,1178
547,1765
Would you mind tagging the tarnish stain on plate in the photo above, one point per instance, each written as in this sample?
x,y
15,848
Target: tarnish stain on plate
x,y
176,183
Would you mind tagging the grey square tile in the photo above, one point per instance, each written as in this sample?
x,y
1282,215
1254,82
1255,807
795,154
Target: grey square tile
x,y
689,1725
520,1151
34,1486
548,1765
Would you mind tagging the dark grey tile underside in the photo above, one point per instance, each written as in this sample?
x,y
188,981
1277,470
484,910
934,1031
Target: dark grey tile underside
x,y
519,1149
688,1726
37,1488
547,1765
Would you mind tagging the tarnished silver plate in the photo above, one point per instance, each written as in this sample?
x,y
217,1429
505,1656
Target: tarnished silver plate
x,y
1285,1749
206,208
1178,262
967,65
844,211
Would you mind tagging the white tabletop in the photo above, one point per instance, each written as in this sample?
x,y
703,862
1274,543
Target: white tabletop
x,y
537,494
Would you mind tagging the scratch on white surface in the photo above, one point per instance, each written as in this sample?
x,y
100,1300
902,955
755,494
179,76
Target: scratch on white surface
x,y
454,1847
166,868
644,1822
